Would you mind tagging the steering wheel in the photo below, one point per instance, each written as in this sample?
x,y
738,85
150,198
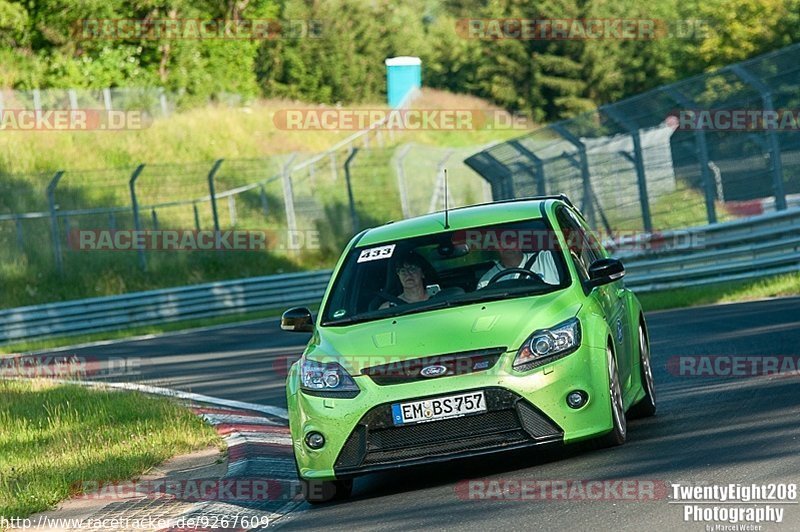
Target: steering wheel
x,y
390,298
513,271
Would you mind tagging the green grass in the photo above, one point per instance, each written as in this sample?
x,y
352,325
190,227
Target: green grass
x,y
776,286
54,437
62,341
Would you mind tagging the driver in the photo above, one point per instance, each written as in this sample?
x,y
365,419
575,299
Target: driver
x,y
540,263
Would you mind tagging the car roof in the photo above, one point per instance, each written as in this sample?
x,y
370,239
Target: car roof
x,y
459,218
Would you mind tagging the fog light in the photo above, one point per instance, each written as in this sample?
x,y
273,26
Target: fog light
x,y
577,399
315,440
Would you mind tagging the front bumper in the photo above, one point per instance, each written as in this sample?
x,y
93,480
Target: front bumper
x,y
523,410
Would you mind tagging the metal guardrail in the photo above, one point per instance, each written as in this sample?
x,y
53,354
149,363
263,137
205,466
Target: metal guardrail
x,y
742,249
158,306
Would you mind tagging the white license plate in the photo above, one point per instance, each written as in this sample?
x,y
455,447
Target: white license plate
x,y
438,408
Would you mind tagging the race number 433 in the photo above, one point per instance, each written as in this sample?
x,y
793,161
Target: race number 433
x,y
382,252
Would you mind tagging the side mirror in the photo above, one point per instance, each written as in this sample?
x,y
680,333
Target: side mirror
x,y
297,319
605,271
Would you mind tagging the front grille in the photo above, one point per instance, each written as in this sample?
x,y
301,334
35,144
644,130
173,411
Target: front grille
x,y
462,363
508,421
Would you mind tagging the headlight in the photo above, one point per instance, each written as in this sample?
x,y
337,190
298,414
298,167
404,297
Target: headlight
x,y
544,344
320,378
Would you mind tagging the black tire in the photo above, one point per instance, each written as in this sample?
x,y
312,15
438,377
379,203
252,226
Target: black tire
x,y
619,432
322,491
647,406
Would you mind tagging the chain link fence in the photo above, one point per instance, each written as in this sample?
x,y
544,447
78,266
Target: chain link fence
x,y
309,204
154,102
718,146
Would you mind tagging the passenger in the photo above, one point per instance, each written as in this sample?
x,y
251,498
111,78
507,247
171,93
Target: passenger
x,y
410,271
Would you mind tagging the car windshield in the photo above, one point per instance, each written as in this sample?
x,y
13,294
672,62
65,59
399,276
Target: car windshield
x,y
446,269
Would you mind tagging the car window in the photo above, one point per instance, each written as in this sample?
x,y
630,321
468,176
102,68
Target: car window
x,y
583,249
449,268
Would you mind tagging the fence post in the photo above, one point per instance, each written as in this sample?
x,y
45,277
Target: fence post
x,y
439,187
107,99
638,163
774,143
288,201
401,180
334,166
162,99
196,216
73,99
350,199
232,209
702,152
2,103
212,194
264,202
588,205
20,236
37,100
51,201
135,205
538,164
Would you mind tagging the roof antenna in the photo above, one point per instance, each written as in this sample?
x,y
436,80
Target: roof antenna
x,y
446,218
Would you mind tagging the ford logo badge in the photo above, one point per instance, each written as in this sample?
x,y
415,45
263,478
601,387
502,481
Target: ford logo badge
x,y
433,371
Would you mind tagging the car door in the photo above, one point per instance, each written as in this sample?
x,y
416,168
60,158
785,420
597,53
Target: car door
x,y
584,250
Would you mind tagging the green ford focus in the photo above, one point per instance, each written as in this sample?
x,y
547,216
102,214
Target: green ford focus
x,y
483,329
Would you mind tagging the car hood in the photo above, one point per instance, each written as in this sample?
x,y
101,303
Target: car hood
x,y
502,323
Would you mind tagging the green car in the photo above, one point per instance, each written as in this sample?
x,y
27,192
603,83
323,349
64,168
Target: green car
x,y
461,333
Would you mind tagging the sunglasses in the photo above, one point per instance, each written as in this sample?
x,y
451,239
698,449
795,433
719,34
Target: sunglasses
x,y
410,268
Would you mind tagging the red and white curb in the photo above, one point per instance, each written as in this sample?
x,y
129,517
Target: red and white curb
x,y
259,449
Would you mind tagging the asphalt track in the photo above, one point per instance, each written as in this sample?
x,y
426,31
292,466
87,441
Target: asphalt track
x,y
708,430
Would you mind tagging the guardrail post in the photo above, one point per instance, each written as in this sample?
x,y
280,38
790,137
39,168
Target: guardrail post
x,y
401,180
538,165
288,200
588,205
774,143
51,201
702,152
637,158
350,199
135,205
212,194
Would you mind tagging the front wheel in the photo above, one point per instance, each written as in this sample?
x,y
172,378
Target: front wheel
x,y
647,406
619,431
321,491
